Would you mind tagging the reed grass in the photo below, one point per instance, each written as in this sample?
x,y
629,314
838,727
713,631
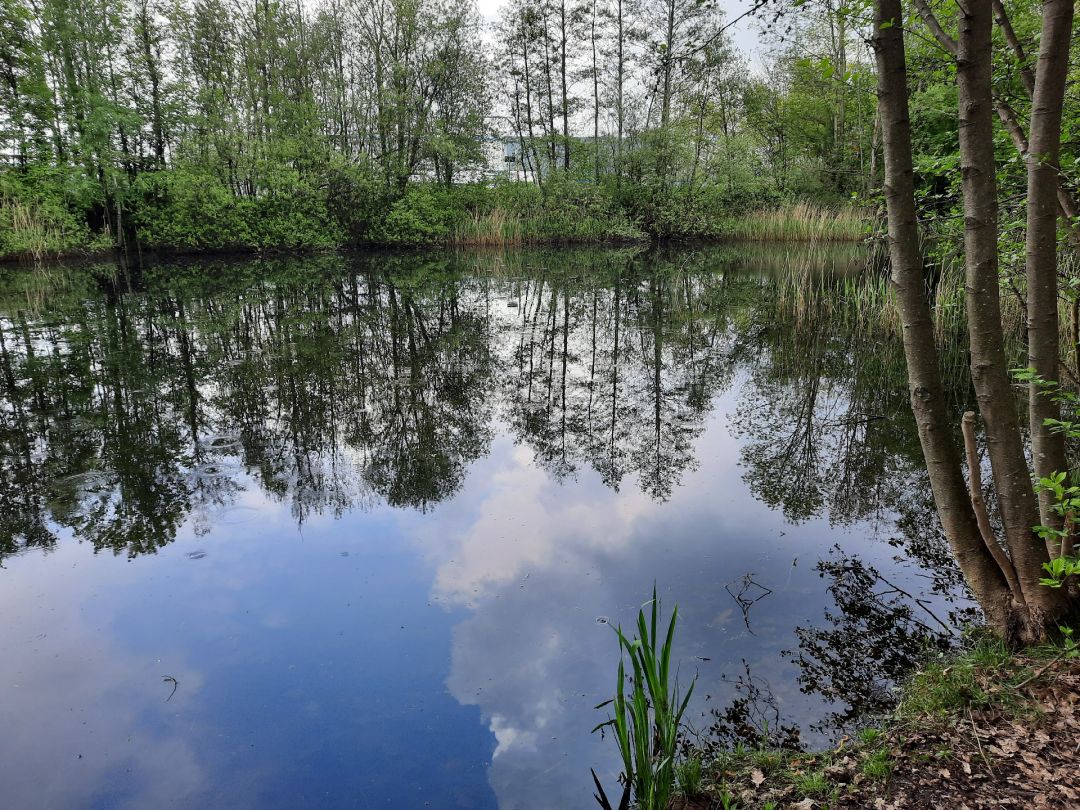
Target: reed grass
x,y
502,227
30,233
813,286
799,222
647,720
495,228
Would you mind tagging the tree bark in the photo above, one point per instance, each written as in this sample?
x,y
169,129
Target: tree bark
x,y
565,94
1017,504
954,507
1044,148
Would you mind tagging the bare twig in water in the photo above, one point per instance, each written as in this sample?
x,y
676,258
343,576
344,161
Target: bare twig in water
x,y
175,685
742,600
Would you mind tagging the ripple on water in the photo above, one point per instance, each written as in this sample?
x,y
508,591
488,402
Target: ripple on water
x,y
85,482
213,470
236,515
221,441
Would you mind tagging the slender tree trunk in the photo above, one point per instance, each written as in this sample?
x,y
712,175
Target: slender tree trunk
x,y
1005,24
565,94
936,436
153,72
619,103
1017,504
596,98
1048,449
668,64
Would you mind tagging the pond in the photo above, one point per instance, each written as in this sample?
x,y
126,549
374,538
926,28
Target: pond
x,y
354,531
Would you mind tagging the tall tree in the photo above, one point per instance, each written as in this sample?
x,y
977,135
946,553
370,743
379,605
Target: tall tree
x,y
1043,170
1007,586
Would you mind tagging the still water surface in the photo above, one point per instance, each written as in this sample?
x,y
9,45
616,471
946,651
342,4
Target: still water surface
x,y
352,532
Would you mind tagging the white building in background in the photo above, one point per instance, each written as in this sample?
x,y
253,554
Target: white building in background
x,y
502,159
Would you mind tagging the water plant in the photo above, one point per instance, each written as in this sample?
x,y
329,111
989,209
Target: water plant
x,y
646,720
801,222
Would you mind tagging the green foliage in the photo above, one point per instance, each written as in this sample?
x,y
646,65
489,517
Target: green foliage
x,y
688,776
423,215
356,200
1070,646
43,213
182,210
646,721
1059,569
1062,486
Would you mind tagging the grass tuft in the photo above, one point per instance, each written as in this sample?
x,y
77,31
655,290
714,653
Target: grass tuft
x,y
801,222
877,766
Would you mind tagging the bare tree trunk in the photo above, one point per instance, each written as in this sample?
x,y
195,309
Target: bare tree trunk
x,y
596,96
537,172
565,94
667,64
924,376
619,115
989,369
875,142
1048,449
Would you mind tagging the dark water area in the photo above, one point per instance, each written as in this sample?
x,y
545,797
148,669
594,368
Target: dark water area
x,y
354,531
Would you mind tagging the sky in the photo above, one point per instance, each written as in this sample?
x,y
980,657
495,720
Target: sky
x,y
744,33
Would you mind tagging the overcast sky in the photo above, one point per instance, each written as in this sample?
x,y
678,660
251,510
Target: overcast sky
x,y
744,33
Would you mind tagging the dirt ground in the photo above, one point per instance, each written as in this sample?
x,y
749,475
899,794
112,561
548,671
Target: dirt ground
x,y
1022,750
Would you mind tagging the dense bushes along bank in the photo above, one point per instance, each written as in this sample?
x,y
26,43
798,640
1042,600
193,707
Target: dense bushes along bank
x,y
48,213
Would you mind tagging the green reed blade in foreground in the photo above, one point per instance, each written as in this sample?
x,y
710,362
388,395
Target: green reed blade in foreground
x,y
646,723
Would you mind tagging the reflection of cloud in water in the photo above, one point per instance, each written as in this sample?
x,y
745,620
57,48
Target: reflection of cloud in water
x,y
538,563
66,758
527,521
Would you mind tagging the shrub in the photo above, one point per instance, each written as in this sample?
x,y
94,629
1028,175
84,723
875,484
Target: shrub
x,y
44,212
188,210
423,215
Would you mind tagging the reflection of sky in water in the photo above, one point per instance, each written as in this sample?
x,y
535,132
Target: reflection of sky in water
x,y
367,656
386,658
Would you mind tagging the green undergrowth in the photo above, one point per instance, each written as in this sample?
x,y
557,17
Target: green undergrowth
x,y
52,213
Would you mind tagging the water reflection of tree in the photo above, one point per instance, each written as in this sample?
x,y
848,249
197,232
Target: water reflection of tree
x,y
616,371
333,386
124,417
827,432
825,422
871,640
